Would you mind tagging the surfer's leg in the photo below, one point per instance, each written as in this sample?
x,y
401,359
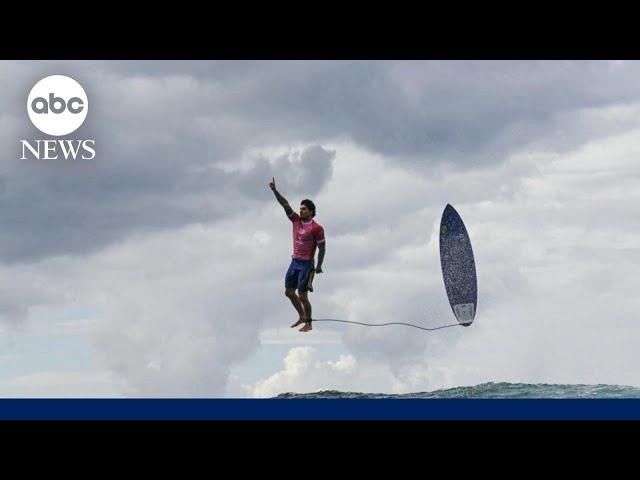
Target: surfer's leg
x,y
304,299
290,284
295,301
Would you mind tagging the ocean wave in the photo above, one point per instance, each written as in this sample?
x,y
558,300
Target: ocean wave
x,y
493,390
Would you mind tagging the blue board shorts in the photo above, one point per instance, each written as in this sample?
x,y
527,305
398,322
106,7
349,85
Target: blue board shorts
x,y
297,274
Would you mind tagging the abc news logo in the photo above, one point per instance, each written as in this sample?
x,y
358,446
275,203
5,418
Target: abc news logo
x,y
57,106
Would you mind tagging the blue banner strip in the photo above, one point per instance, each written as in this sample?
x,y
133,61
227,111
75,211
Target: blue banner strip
x,y
319,409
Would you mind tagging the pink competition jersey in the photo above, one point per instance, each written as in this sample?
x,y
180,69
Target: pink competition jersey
x,y
306,236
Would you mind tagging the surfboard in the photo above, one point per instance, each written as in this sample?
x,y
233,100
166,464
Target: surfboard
x,y
458,266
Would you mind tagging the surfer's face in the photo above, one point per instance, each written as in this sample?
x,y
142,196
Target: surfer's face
x,y
305,213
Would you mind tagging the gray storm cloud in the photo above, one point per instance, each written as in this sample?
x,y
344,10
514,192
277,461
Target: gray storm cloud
x,y
159,125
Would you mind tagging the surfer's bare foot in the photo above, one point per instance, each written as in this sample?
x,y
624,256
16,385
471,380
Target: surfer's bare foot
x,y
307,327
299,322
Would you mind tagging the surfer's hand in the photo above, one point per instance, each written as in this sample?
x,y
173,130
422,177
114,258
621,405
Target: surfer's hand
x,y
319,270
272,184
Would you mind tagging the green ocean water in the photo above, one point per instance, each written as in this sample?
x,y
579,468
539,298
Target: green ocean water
x,y
493,390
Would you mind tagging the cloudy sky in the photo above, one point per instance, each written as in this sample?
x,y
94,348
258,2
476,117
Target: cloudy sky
x,y
157,268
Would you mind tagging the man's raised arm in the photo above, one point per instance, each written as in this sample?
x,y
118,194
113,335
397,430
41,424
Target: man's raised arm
x,y
281,200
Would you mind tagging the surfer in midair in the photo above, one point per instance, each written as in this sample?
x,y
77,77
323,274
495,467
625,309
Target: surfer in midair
x,y
307,235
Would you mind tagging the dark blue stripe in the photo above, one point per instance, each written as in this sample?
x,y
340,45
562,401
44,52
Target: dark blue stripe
x,y
320,409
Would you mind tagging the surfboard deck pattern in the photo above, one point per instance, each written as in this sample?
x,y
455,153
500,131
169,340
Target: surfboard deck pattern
x,y
458,266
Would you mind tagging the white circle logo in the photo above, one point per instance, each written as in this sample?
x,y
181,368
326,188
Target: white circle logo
x,y
57,105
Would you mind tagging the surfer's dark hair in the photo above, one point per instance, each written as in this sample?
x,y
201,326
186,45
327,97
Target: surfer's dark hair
x,y
310,205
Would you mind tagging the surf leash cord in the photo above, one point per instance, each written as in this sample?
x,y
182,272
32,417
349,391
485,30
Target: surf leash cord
x,y
385,324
